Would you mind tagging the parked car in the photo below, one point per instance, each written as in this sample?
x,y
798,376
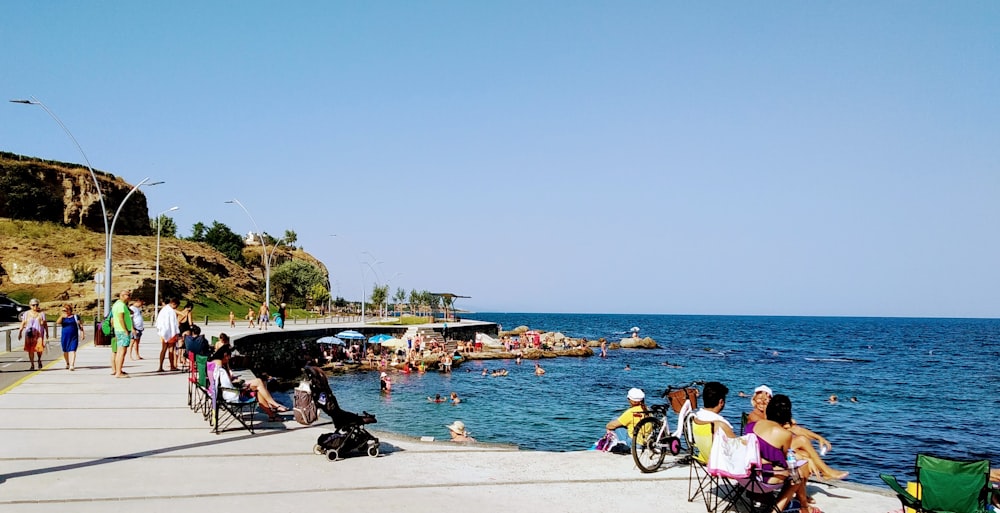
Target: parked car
x,y
10,310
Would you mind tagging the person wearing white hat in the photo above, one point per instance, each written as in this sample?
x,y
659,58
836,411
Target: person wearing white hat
x,y
384,383
636,411
458,432
801,442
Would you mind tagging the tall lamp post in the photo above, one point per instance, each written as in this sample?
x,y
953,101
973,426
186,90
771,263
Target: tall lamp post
x,y
264,256
363,293
108,231
111,233
156,294
104,212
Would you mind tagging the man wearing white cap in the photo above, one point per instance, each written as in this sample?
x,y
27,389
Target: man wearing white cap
x,y
636,411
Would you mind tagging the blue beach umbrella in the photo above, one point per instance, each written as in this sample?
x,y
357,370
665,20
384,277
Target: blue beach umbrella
x,y
330,340
378,339
350,335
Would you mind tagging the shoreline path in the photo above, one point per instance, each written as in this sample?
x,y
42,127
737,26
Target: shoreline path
x,y
85,441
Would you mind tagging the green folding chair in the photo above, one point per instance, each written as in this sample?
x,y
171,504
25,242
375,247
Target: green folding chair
x,y
952,486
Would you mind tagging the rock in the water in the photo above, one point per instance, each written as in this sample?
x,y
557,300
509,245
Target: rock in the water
x,y
638,343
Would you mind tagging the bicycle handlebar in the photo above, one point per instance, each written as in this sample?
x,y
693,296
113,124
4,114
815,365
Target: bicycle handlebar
x,y
671,388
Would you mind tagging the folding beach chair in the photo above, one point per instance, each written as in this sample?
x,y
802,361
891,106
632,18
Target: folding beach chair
x,y
945,485
198,398
241,410
700,482
755,493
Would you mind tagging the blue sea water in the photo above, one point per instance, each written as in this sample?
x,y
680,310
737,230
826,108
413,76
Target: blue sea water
x,y
923,385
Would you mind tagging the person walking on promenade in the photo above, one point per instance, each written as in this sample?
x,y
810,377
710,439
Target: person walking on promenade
x,y
262,316
72,330
250,317
33,329
135,308
121,321
167,329
281,315
232,319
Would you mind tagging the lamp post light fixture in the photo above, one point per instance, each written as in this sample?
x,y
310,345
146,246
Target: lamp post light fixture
x,y
265,258
156,293
111,233
100,195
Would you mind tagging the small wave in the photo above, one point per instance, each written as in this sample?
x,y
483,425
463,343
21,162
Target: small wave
x,y
839,360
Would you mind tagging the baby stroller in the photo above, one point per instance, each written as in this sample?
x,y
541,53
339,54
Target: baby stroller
x,y
349,428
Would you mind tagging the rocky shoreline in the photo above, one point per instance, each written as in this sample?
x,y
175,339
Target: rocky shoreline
x,y
552,345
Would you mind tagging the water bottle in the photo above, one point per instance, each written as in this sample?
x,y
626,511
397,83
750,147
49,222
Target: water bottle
x,y
793,471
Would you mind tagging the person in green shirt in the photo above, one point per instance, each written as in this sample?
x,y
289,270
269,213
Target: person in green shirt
x,y
121,321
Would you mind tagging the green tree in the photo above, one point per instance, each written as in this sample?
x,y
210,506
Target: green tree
x,y
379,295
414,300
198,232
220,237
319,293
290,238
168,228
399,298
293,280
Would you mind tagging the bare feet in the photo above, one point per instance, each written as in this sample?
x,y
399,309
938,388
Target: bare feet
x,y
836,474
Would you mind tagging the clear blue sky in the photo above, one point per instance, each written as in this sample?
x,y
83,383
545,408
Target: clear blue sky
x,y
799,158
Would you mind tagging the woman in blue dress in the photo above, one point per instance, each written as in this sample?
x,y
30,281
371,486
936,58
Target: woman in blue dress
x,y
72,330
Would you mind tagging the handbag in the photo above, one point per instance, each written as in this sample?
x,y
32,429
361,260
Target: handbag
x,y
304,407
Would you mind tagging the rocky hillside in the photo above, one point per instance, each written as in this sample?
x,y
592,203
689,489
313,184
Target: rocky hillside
x,y
39,259
45,190
51,232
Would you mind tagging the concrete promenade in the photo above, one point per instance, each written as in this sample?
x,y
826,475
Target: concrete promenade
x,y
85,441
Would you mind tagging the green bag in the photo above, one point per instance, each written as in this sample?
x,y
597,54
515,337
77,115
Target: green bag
x,y
106,326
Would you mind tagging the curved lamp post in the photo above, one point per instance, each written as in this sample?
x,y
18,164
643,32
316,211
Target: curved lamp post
x,y
111,233
100,195
108,231
265,259
156,294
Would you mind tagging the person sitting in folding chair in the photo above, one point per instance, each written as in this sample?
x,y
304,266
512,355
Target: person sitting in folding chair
x,y
775,439
264,397
714,400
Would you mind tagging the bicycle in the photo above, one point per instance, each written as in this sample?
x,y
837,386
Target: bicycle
x,y
652,438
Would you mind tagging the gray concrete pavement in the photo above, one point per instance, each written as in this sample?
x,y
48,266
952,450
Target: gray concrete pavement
x,y
85,441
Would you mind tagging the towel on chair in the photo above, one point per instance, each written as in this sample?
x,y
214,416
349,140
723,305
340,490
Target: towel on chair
x,y
733,457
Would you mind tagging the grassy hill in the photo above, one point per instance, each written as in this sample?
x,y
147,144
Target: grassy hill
x,y
51,262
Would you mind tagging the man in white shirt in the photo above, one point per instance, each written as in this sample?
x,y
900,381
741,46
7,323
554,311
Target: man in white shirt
x,y
714,400
168,330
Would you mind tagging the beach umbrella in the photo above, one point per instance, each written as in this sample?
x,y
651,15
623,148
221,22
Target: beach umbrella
x,y
394,343
378,339
330,340
350,335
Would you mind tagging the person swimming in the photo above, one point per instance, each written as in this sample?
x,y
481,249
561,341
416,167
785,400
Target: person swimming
x,y
436,399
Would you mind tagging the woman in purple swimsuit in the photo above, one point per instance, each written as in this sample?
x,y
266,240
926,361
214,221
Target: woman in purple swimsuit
x,y
775,440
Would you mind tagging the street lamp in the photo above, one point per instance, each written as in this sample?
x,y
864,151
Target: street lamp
x,y
111,232
156,294
104,212
363,292
264,256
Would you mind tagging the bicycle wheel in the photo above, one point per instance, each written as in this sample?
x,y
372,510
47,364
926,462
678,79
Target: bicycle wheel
x,y
648,449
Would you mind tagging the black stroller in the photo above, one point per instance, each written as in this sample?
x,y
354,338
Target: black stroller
x,y
349,428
